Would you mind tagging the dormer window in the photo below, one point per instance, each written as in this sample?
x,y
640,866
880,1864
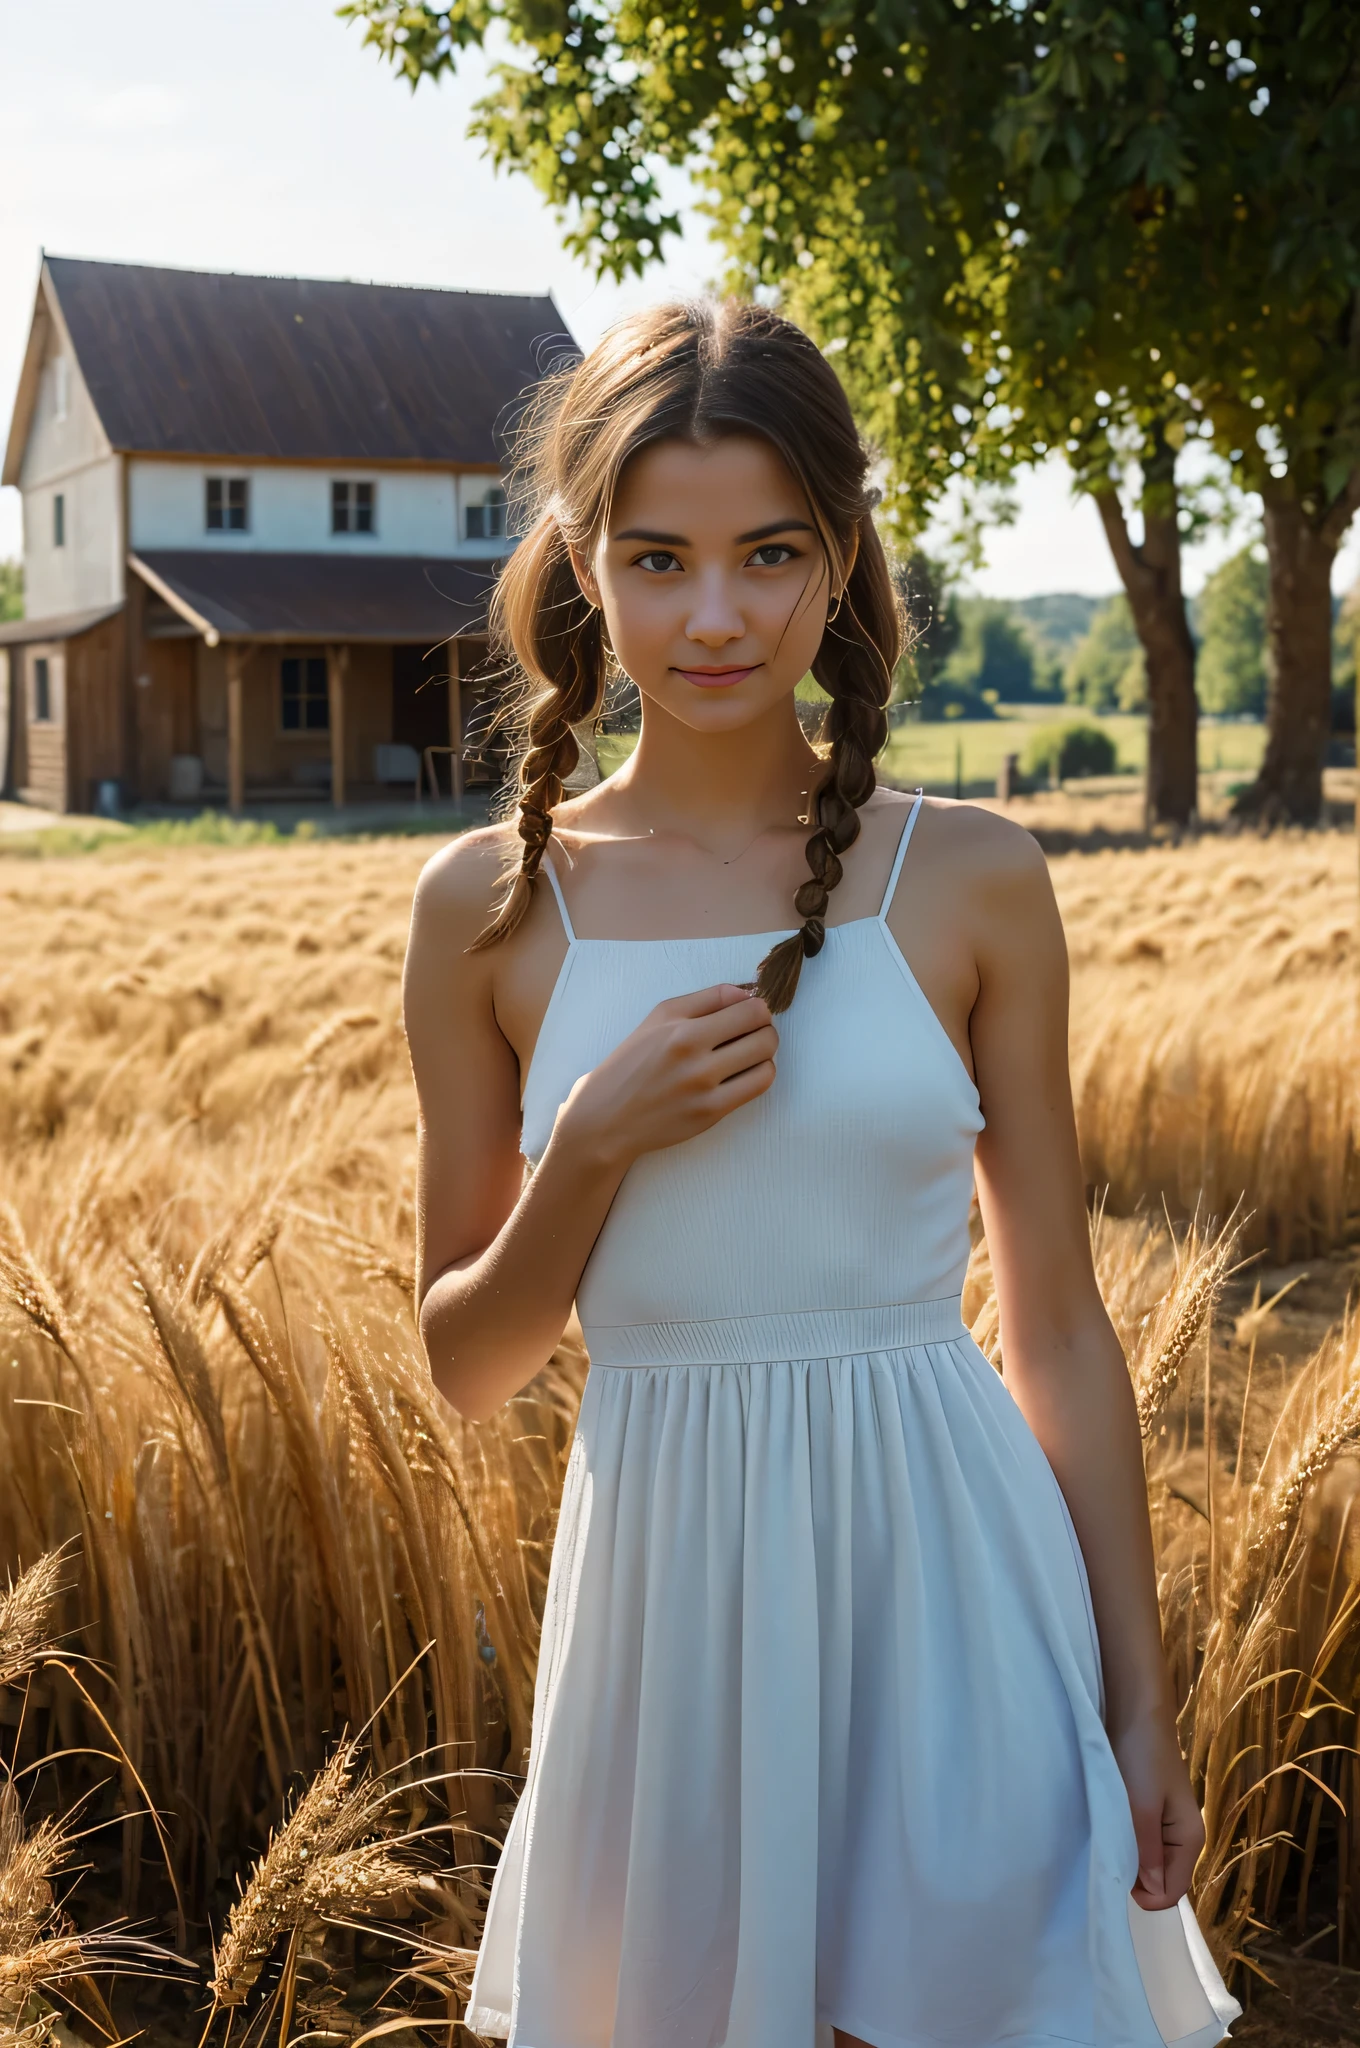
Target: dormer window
x,y
352,507
228,504
487,520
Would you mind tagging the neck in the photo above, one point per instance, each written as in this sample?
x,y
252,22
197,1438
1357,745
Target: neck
x,y
697,781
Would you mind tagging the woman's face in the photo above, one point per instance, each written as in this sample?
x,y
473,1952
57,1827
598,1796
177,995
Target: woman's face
x,y
713,581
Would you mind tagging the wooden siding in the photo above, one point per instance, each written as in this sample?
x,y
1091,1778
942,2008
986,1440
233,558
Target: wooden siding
x,y
94,721
165,712
278,762
46,767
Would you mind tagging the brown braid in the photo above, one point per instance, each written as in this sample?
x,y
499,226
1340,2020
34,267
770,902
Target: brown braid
x,y
566,654
692,373
855,667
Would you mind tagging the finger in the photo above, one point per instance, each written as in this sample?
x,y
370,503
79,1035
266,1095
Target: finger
x,y
702,1002
1178,1871
735,1055
750,1014
1182,1841
1150,1890
743,1087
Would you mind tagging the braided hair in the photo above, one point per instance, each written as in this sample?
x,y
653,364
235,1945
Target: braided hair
x,y
693,372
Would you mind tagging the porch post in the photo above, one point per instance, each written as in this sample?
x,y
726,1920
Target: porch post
x,y
236,776
456,721
337,666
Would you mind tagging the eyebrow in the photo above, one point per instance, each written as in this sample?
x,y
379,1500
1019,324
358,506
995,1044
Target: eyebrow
x,y
677,540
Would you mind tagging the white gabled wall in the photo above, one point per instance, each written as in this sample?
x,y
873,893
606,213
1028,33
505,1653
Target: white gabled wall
x,y
419,512
67,454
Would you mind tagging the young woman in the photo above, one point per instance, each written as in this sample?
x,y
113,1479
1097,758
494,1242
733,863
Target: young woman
x,y
822,1745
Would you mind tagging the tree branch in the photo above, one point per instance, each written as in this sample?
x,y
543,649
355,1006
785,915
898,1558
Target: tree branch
x,y
1341,511
1128,558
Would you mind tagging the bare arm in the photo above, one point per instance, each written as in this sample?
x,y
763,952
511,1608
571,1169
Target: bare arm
x,y
499,1256
1063,1362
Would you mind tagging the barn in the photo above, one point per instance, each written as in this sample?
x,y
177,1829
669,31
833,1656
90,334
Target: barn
x,y
262,517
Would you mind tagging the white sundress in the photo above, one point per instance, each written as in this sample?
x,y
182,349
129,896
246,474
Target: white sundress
x,y
817,1731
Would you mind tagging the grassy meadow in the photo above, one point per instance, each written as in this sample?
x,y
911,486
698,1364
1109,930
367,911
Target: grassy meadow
x,y
271,1538
936,753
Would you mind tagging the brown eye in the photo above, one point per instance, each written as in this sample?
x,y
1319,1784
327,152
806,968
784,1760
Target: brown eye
x,y
658,562
773,555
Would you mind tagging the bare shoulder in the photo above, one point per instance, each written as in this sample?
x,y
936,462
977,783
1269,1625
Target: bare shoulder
x,y
996,860
457,885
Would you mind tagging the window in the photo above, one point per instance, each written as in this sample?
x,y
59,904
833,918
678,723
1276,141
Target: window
x,y
59,521
42,690
228,504
351,508
487,520
305,704
61,386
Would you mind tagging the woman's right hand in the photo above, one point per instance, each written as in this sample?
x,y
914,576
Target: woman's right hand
x,y
691,1062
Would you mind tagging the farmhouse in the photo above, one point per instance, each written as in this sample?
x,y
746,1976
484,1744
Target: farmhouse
x,y
261,520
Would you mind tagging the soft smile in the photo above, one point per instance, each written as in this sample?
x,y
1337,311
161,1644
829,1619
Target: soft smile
x,y
717,678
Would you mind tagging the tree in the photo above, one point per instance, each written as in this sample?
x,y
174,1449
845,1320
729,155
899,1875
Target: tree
x,y
1235,137
1107,670
1002,217
994,658
858,160
932,622
1231,617
11,590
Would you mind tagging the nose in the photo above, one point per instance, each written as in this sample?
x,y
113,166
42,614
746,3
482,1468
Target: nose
x,y
715,618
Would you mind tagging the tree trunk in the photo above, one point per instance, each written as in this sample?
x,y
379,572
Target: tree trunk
x,y
1288,789
1151,576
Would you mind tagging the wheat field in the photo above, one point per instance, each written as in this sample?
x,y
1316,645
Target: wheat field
x,y
293,1615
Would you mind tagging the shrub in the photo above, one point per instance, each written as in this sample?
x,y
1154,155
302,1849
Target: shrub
x,y
1057,751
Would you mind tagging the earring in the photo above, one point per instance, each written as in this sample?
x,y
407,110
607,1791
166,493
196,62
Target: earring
x,y
805,815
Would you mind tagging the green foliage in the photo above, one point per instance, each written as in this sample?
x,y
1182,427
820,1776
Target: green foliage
x,y
932,622
1346,641
1223,144
11,590
1230,675
116,836
1056,752
1107,671
994,659
1057,619
1105,227
1054,623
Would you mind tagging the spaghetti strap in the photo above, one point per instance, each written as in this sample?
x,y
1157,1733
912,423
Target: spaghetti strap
x,y
900,856
551,872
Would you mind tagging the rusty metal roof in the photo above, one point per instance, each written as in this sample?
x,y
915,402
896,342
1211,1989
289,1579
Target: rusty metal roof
x,y
189,362
319,597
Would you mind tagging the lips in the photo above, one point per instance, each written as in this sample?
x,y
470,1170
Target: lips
x,y
717,678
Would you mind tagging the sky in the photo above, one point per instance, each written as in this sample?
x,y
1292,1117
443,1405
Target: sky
x,y
259,135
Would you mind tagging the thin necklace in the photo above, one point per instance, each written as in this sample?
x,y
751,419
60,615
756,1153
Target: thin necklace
x,y
804,818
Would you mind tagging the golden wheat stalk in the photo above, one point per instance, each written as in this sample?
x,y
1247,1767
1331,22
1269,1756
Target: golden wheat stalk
x,y
1276,1515
24,1284
1170,1329
25,1611
33,1952
315,1866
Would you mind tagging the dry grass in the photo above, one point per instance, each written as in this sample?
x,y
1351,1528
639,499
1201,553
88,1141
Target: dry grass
x,y
212,1387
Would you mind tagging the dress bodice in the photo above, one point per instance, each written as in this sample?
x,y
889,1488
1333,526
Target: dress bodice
x,y
846,1185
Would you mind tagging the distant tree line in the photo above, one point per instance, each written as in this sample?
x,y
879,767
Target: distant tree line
x,y
971,655
11,590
